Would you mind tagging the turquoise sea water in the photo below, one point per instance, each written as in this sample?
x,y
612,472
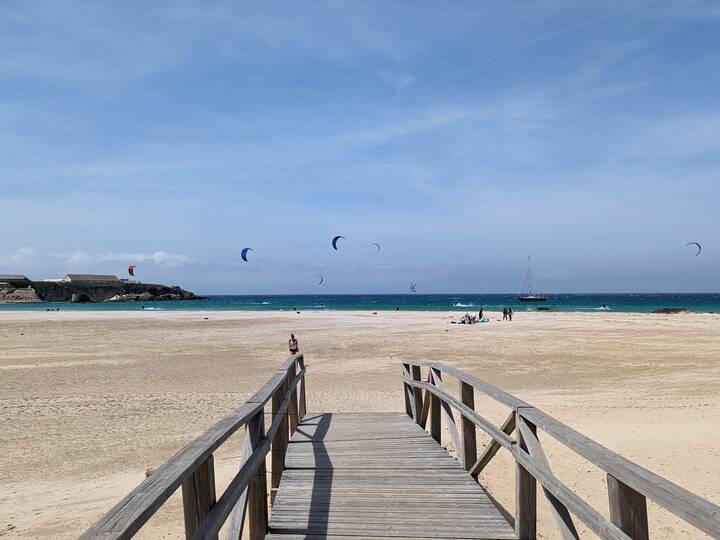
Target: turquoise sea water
x,y
641,303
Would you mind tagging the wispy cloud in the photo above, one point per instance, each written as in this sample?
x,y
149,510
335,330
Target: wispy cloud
x,y
27,254
156,257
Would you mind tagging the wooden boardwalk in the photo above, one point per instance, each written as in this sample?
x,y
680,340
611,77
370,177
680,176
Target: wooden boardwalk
x,y
377,475
381,475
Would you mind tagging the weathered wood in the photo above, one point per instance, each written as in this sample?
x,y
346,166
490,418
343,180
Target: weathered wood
x,y
594,520
492,391
407,390
694,509
257,489
447,413
280,441
198,493
363,485
302,404
417,394
479,421
225,504
426,404
469,443
125,518
435,426
525,495
367,486
293,405
236,522
492,448
562,516
697,511
628,509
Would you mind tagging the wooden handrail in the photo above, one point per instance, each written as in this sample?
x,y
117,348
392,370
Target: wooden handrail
x,y
132,512
219,513
690,507
496,433
629,483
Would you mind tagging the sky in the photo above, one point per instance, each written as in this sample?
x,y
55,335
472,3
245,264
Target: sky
x,y
462,136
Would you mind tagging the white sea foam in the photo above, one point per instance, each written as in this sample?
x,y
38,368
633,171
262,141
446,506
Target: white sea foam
x,y
458,304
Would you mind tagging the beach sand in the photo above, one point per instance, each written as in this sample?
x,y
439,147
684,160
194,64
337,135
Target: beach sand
x,y
90,401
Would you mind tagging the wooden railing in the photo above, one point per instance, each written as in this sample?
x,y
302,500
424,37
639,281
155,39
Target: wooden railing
x,y
192,468
629,485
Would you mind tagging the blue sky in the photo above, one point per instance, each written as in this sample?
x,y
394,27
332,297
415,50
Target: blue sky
x,y
461,136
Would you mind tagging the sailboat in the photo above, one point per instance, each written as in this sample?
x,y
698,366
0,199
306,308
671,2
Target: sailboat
x,y
530,297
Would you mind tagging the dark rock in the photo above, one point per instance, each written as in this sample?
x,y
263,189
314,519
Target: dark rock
x,y
670,311
48,291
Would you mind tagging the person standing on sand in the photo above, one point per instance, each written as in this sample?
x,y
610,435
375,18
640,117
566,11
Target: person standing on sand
x,y
505,314
480,315
510,314
293,345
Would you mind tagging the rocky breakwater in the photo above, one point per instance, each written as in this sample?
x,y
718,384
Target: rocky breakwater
x,y
46,291
11,295
177,294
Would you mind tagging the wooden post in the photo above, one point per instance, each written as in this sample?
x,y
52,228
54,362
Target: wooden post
x,y
628,509
435,430
407,390
525,493
417,393
280,441
469,443
293,405
257,489
302,406
198,493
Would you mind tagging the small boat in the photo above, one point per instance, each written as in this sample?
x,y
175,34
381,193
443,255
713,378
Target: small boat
x,y
530,297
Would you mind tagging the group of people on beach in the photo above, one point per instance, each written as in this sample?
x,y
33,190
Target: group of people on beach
x,y
473,319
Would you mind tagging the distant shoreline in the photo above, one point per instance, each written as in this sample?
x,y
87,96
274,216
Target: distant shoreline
x,y
455,303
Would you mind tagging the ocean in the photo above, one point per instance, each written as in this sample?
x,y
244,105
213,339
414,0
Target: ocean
x,y
639,303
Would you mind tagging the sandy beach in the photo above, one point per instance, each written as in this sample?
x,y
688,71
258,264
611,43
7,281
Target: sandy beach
x,y
90,401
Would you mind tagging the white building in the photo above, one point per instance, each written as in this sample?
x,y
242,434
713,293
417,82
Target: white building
x,y
91,279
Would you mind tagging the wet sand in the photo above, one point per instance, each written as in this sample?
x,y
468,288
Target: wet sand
x,y
91,400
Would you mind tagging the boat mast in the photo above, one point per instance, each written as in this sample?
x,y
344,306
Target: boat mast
x,y
529,277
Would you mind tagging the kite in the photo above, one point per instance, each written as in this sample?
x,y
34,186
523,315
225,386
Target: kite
x,y
321,279
334,241
244,253
377,246
131,270
695,244
413,285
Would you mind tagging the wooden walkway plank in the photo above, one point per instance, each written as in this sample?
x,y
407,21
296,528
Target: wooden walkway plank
x,y
357,476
